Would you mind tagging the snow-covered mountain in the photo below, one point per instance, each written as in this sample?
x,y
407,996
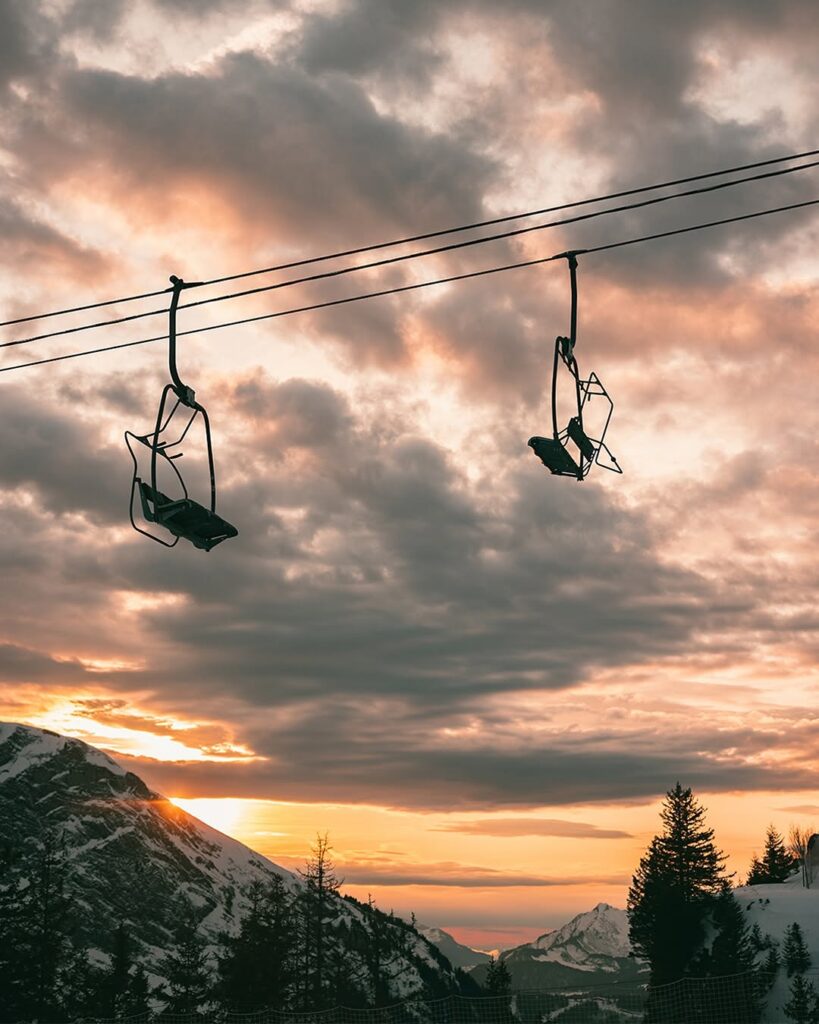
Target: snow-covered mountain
x,y
594,941
593,947
136,858
461,956
131,852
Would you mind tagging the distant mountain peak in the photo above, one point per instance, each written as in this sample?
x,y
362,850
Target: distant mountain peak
x,y
589,939
594,942
456,952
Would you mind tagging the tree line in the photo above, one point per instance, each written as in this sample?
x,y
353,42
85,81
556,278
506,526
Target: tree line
x,y
686,923
298,948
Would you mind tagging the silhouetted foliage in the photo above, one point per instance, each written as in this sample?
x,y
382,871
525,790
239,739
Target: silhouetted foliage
x,y
295,948
258,965
498,979
36,909
777,863
801,1008
674,888
186,968
770,965
795,955
315,904
731,953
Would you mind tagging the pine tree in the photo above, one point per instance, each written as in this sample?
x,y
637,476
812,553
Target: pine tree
x,y
82,987
117,978
498,979
316,905
46,923
138,993
795,955
757,941
385,946
257,968
770,966
777,863
731,950
756,872
674,888
186,967
12,1005
801,1007
731,954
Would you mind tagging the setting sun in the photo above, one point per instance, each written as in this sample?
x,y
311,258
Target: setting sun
x,y
224,814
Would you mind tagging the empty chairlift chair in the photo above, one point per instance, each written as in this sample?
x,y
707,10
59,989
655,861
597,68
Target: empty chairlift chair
x,y
181,516
571,451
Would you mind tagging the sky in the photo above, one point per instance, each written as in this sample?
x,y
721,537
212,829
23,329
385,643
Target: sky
x,y
478,679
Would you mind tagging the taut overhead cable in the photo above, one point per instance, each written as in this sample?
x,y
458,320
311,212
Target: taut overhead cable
x,y
421,284
359,250
404,257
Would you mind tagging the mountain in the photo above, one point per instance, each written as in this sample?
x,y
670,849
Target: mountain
x,y
593,948
459,955
131,856
595,941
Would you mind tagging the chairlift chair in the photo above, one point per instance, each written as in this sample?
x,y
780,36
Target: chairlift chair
x,y
554,451
182,516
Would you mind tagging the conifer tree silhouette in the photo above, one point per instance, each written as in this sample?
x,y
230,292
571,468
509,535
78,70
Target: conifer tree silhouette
x,y
795,955
801,1007
674,888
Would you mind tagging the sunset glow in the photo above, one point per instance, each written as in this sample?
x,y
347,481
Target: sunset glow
x,y
124,729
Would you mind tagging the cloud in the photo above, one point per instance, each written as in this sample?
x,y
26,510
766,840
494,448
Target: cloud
x,y
50,453
510,827
34,246
21,44
313,161
22,665
379,612
461,876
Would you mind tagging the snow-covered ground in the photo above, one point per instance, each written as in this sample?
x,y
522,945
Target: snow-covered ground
x,y
774,908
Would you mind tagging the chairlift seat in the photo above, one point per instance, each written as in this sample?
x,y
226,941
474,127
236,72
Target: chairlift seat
x,y
185,518
581,438
554,456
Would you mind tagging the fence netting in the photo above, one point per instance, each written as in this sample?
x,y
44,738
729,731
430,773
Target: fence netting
x,y
736,999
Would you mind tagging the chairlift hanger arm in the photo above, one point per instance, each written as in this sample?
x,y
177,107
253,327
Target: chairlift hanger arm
x,y
183,392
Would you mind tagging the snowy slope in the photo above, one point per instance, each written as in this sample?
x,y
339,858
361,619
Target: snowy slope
x,y
774,908
136,858
461,956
